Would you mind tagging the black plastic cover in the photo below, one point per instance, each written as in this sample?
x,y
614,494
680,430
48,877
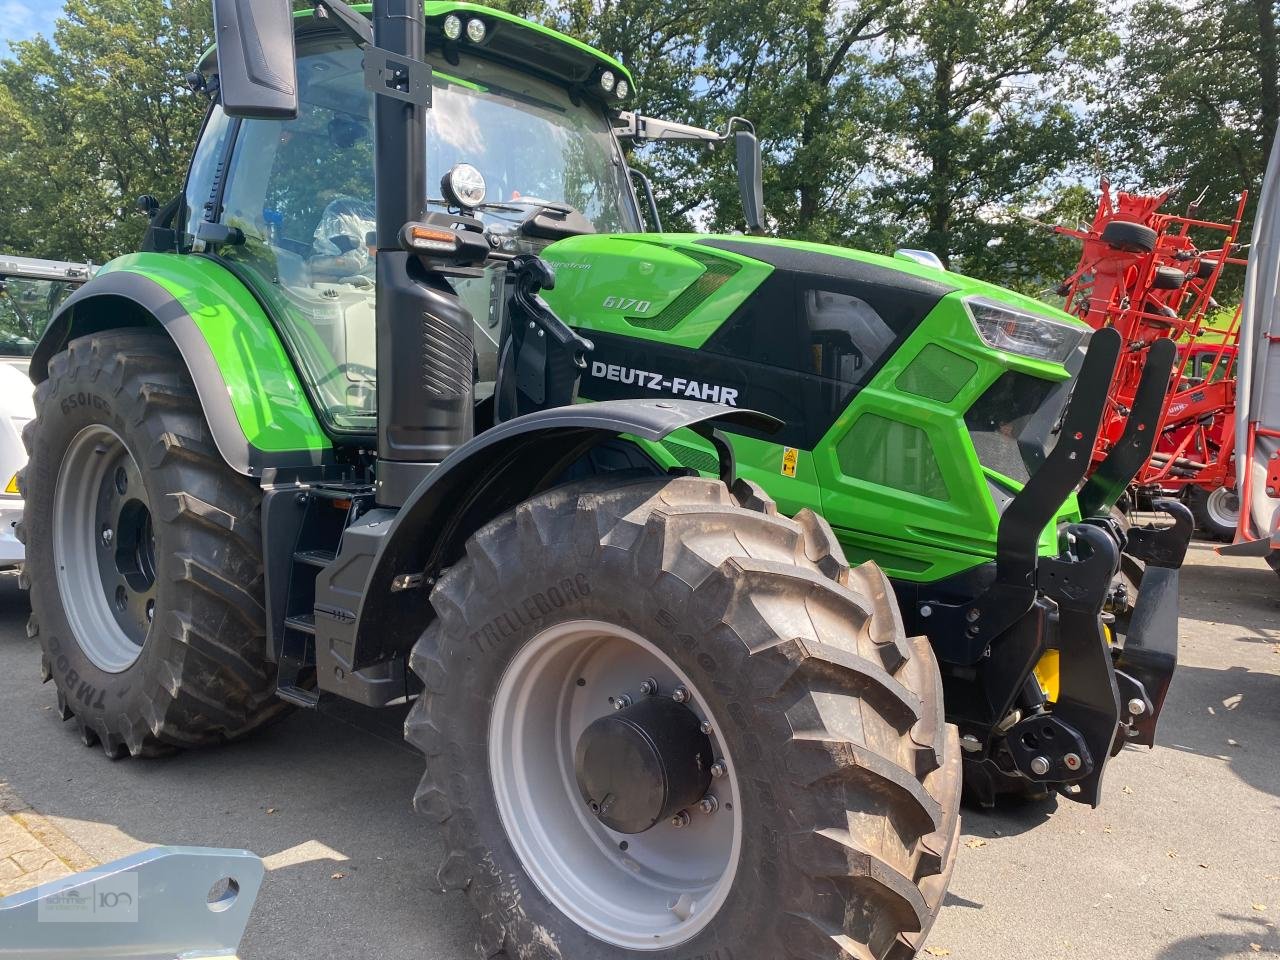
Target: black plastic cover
x,y
257,63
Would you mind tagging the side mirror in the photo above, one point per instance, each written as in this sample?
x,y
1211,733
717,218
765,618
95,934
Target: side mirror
x,y
749,183
257,62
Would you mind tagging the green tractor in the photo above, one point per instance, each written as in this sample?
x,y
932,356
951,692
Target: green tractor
x,y
662,714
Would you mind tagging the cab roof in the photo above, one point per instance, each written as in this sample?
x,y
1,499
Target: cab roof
x,y
509,39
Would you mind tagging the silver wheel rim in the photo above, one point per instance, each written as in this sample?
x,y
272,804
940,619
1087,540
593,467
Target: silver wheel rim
x,y
1223,507
104,549
647,891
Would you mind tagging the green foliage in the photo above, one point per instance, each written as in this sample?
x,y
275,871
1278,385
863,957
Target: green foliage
x,y
1195,101
92,120
984,124
1195,105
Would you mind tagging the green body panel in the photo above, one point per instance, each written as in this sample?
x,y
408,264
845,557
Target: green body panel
x,y
269,403
655,270
896,474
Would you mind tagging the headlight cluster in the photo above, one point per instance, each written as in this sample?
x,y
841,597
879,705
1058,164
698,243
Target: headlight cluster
x,y
1007,328
612,84
475,28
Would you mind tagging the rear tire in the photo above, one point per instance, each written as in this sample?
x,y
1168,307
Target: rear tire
x,y
1129,237
1168,278
847,777
129,503
1216,512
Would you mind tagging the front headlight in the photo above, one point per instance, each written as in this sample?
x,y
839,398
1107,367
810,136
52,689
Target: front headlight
x,y
1011,330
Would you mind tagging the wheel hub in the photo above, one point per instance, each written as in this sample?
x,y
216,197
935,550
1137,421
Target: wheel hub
x,y
1223,505
104,548
643,764
654,742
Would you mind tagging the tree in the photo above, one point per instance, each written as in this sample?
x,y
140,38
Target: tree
x,y
93,119
986,121
803,71
1194,102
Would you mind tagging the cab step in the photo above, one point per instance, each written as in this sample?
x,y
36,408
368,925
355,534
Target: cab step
x,y
302,622
308,699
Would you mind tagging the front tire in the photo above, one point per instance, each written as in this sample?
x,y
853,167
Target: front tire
x,y
837,811
144,554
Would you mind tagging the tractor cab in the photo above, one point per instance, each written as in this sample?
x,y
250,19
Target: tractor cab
x,y
523,139
504,144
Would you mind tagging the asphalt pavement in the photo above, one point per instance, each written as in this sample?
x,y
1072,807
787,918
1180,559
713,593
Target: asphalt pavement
x,y
1180,862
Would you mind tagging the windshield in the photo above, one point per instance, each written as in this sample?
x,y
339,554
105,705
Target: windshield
x,y
26,306
528,139
530,143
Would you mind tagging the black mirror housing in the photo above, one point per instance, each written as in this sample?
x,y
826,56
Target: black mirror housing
x,y
257,62
749,179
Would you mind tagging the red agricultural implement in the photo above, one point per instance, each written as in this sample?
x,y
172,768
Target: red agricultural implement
x,y
1151,275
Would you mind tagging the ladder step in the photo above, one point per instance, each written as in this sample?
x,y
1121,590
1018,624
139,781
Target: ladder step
x,y
302,622
298,696
316,558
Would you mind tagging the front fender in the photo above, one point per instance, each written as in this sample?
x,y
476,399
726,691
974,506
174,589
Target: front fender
x,y
254,403
488,476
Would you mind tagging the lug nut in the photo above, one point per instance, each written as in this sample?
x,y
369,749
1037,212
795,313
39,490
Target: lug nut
x,y
621,702
649,687
1039,766
681,819
719,769
680,695
705,727
1136,707
708,804
108,535
1072,761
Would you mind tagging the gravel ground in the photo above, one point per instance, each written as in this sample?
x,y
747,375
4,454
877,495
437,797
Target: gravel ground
x,y
1181,861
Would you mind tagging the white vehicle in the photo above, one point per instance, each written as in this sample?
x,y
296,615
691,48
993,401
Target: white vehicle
x,y
30,291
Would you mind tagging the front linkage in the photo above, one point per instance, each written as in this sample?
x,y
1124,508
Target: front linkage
x,y
993,625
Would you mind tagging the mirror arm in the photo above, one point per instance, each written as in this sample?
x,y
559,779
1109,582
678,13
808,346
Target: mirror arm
x,y
353,24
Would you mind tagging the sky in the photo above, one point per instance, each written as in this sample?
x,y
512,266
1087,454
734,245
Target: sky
x,y
23,19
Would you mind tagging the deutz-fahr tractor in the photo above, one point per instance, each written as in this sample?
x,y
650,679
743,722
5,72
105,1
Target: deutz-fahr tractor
x,y
711,566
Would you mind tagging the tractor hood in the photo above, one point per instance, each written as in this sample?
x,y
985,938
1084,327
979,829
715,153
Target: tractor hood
x,y
896,382
647,276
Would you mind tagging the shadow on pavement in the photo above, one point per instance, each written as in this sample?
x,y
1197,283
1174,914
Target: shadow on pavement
x,y
1241,729
1264,941
1235,596
1010,817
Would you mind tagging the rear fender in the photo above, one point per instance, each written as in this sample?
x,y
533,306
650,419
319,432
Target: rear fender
x,y
255,405
481,480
